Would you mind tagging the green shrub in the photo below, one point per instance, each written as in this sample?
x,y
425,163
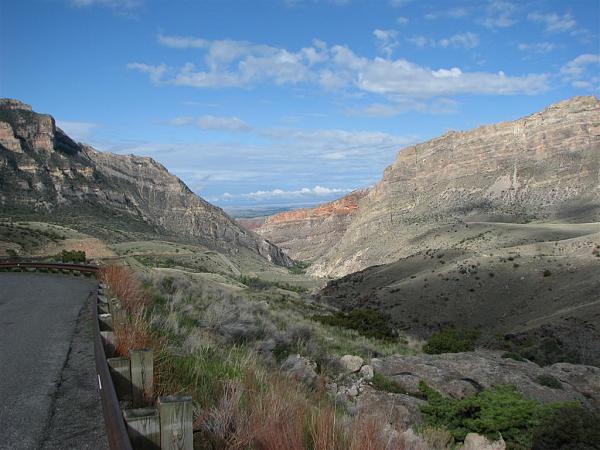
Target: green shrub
x,y
260,284
513,355
549,381
451,340
499,411
74,256
383,383
567,428
299,267
547,273
368,322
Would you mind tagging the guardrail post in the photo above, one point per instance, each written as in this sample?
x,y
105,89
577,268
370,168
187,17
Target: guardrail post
x,y
142,373
121,376
106,322
118,316
176,422
108,339
143,428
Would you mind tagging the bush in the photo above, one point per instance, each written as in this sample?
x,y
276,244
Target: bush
x,y
299,267
74,256
513,355
383,383
368,322
499,411
567,428
451,340
549,381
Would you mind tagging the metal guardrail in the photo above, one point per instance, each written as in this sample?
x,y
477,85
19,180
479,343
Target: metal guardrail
x,y
84,268
116,431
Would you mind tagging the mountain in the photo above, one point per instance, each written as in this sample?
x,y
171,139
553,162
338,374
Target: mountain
x,y
43,172
541,168
305,234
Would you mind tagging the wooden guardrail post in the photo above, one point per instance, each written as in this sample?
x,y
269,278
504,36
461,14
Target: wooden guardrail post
x,y
106,322
142,374
143,428
176,422
109,342
121,376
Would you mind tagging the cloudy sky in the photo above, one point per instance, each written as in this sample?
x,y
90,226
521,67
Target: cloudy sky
x,y
290,102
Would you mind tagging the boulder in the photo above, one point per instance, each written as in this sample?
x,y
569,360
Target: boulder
x,y
474,441
351,363
300,368
366,372
458,375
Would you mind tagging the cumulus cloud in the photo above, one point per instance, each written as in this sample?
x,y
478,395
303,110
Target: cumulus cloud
x,y
582,72
537,47
318,191
155,72
386,41
460,40
402,20
499,14
554,23
229,64
209,122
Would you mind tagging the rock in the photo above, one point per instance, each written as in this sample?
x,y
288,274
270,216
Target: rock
x,y
366,372
44,170
474,441
460,374
403,410
351,363
537,165
300,368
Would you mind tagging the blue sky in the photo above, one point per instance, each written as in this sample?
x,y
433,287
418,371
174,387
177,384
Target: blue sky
x,y
290,102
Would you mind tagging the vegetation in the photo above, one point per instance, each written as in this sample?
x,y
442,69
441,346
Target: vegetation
x,y
451,340
299,267
258,283
567,428
549,381
73,256
513,355
499,411
368,322
383,383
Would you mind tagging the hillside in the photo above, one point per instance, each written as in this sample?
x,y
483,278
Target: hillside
x,y
540,168
45,173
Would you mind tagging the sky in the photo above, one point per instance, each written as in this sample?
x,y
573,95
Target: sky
x,y
290,102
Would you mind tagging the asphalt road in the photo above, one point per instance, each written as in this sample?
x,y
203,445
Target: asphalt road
x,y
48,393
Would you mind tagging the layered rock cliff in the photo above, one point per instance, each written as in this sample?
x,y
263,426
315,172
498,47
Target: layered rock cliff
x,y
542,167
43,171
305,234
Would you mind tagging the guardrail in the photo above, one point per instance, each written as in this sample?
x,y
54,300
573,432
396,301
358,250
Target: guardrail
x,y
116,432
83,268
165,427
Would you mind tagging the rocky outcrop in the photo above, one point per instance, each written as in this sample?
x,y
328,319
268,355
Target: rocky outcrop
x,y
542,167
458,375
44,171
305,234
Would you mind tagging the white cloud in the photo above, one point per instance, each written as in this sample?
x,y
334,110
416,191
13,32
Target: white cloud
x,y
155,72
554,23
399,3
80,131
318,191
230,64
460,40
115,4
437,106
212,123
452,13
582,72
387,41
402,20
499,14
537,47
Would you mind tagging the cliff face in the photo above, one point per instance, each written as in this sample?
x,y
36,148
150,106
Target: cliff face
x,y
305,234
44,171
539,168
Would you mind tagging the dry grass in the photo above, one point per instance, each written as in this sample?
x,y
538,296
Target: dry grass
x,y
133,334
123,283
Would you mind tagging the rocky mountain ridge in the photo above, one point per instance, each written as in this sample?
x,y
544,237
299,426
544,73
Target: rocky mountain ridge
x,y
543,167
43,171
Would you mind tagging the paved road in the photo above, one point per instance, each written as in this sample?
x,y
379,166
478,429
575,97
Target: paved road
x,y
48,394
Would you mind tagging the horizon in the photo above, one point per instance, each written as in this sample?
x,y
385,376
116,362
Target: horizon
x,y
290,111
